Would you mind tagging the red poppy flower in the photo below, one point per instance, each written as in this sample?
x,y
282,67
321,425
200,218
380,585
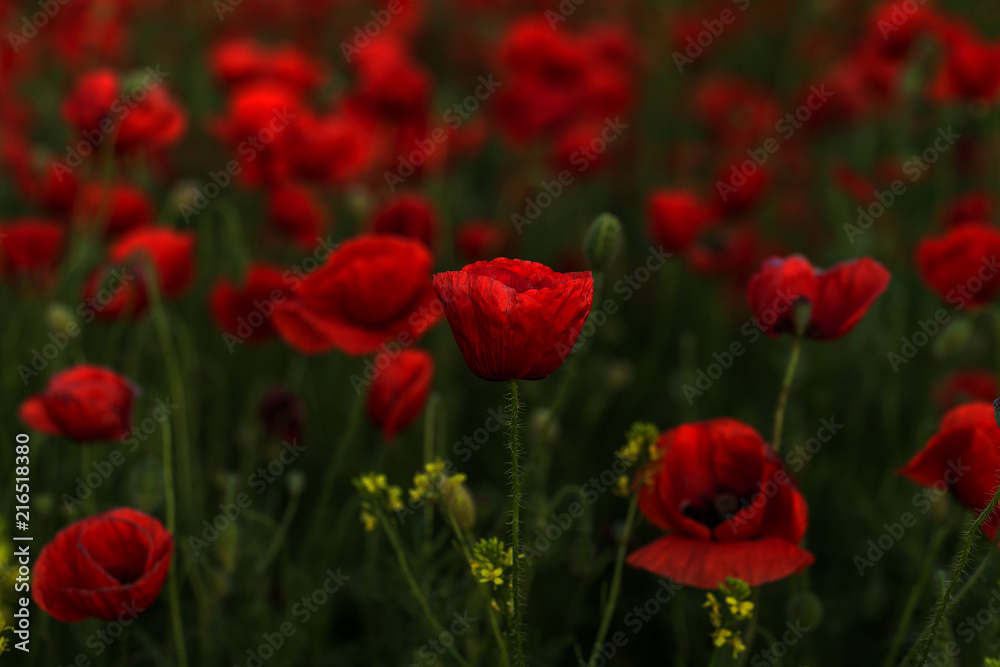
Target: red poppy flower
x,y
407,215
294,211
481,239
371,290
398,393
971,207
840,295
963,456
141,116
966,386
676,218
970,72
30,248
731,508
118,288
245,311
514,319
121,207
107,566
84,403
961,266
327,149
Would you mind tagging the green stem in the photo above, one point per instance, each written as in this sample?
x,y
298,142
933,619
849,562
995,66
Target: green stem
x,y
430,416
279,534
515,522
171,503
945,604
616,582
914,598
174,378
484,592
330,478
786,385
751,629
390,533
86,459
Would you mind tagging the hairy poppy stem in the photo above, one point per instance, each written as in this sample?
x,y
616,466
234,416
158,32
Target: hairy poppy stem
x,y
515,521
911,603
170,499
945,603
616,581
786,385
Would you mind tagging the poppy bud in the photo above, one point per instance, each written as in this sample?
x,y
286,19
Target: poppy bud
x,y
59,317
461,504
296,481
604,240
145,485
805,608
955,337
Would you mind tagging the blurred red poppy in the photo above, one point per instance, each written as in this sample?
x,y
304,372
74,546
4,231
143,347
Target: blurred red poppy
x,y
30,248
961,266
730,507
398,393
676,217
83,403
245,311
407,215
514,319
118,288
108,566
371,290
840,295
118,209
296,212
481,239
963,456
966,386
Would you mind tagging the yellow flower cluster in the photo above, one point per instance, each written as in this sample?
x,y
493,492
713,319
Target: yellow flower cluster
x,y
735,594
489,560
432,483
376,489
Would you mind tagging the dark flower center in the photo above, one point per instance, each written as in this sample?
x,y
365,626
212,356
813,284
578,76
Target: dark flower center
x,y
713,511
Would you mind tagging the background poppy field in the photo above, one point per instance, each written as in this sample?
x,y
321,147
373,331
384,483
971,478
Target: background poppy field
x,y
223,231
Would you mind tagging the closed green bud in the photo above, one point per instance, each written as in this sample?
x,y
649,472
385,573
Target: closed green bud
x,y
953,338
604,239
59,317
805,608
296,481
462,506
